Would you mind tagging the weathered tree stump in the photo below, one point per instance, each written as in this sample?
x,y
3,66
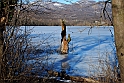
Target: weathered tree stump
x,y
63,33
64,42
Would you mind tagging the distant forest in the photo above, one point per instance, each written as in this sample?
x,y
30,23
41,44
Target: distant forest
x,y
33,19
39,20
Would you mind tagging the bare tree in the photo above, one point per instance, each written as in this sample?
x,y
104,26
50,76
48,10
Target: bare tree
x,y
118,23
16,45
5,16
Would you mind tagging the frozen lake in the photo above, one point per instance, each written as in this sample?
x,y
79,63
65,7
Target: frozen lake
x,y
89,50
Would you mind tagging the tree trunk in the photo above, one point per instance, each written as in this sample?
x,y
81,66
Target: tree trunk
x,y
2,28
2,25
1,44
63,33
64,42
118,23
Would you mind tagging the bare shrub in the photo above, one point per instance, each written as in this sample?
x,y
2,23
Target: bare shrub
x,y
23,58
106,70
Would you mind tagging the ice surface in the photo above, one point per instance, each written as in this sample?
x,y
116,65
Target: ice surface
x,y
88,46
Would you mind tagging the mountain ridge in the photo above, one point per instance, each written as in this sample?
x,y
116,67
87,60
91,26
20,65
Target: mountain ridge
x,y
79,13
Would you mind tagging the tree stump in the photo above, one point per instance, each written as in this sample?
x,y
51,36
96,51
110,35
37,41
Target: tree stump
x,y
64,42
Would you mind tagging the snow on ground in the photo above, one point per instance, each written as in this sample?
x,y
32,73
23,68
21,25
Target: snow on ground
x,y
87,49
